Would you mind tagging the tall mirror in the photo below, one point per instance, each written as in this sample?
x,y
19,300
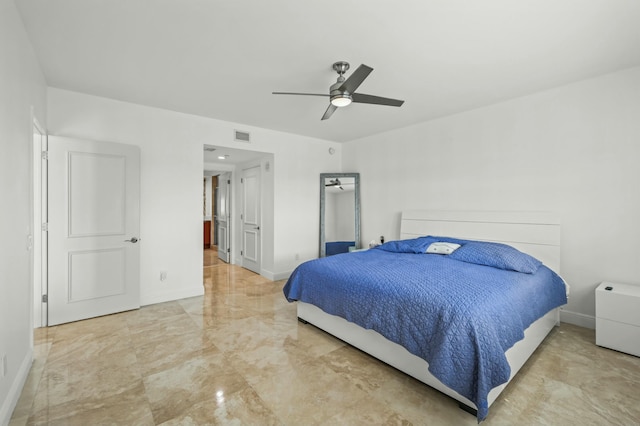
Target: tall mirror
x,y
339,213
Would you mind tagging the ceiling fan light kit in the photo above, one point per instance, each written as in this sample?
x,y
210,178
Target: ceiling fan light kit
x,y
343,92
341,100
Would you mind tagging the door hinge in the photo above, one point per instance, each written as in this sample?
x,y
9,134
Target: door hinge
x,y
45,298
241,253
228,181
45,155
45,227
228,250
241,180
241,216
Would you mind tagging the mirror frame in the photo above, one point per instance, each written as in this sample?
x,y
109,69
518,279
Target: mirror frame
x,y
323,177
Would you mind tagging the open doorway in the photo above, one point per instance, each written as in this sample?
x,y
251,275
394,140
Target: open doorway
x,y
216,232
210,223
226,173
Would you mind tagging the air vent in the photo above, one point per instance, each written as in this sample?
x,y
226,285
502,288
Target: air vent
x,y
242,136
209,148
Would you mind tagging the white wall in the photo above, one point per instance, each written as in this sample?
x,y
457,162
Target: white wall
x,y
345,213
339,222
171,184
330,216
22,87
573,150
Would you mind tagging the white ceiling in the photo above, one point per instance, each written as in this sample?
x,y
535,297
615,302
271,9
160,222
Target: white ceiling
x,y
232,156
222,59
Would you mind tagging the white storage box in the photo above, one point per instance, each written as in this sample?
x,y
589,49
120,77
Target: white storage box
x,y
618,317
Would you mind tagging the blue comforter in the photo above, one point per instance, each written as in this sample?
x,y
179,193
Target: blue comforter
x,y
458,314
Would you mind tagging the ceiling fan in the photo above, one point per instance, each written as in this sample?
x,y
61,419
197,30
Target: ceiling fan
x,y
335,182
342,93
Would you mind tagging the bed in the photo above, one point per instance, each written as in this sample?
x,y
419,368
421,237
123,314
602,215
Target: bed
x,y
425,335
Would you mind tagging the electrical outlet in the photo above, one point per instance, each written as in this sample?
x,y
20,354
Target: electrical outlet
x,y
3,367
163,275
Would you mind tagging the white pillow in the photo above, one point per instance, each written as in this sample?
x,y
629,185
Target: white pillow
x,y
442,248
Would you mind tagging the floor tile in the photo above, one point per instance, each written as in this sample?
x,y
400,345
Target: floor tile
x,y
175,391
238,355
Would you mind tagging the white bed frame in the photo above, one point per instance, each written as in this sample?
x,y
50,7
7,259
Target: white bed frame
x,y
536,233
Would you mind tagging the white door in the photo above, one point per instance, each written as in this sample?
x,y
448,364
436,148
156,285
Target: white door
x,y
251,219
223,217
94,227
39,217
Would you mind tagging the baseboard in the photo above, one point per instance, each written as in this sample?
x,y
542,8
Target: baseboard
x,y
575,318
9,404
267,274
171,296
275,276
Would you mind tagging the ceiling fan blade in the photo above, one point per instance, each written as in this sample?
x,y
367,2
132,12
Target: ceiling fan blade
x,y
329,111
302,94
378,100
355,79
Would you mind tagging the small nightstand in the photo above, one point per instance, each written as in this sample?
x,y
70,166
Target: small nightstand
x,y
618,317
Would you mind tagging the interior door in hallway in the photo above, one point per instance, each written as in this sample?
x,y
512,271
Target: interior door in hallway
x,y
223,216
251,219
93,228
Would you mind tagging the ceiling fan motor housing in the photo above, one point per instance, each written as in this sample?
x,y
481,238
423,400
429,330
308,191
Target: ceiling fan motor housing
x,y
339,98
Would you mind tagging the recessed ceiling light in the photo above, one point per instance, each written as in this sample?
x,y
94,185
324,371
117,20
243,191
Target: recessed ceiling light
x,y
223,157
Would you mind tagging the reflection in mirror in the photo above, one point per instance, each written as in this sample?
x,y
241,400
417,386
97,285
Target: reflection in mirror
x,y
339,213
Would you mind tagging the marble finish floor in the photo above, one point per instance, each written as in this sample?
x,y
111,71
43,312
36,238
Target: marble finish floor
x,y
238,356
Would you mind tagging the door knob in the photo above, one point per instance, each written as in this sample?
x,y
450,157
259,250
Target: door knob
x,y
132,240
257,228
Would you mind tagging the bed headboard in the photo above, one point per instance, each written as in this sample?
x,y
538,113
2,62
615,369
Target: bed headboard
x,y
535,233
